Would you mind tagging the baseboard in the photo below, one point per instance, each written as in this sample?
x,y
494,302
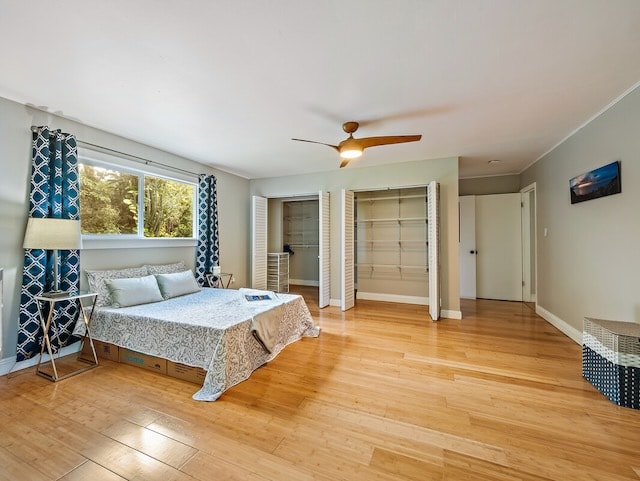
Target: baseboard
x,y
6,364
302,282
445,313
448,314
9,364
555,321
375,296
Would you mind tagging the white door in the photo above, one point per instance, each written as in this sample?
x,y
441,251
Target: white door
x,y
499,245
324,259
259,242
346,252
433,241
467,246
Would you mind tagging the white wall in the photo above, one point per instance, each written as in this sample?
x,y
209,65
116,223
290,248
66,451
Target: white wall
x,y
589,261
15,163
445,171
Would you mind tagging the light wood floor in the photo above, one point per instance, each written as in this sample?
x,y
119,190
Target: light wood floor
x,y
383,394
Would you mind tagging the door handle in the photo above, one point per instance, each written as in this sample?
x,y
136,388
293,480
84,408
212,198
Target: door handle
x,y
473,252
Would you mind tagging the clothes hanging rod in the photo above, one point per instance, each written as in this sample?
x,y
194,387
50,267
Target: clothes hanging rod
x,y
135,158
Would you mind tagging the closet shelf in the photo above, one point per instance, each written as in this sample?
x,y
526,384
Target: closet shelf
x,y
392,197
393,219
305,246
393,266
300,217
396,241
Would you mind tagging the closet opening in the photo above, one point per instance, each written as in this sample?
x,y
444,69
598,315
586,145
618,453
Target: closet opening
x,y
293,245
390,245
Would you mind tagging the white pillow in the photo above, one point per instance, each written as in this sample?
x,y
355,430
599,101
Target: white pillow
x,y
177,284
154,269
96,280
133,291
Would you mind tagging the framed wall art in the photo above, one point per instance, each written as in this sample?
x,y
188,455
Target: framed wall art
x,y
596,183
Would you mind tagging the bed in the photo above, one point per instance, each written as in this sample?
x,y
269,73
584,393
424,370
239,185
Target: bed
x,y
218,330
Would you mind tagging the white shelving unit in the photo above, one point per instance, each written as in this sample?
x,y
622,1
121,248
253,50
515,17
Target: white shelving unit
x,y
391,231
300,227
391,247
278,271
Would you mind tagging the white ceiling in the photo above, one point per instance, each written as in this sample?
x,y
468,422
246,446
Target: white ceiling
x,y
229,83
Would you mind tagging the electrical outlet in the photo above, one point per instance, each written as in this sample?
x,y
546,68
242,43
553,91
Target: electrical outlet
x,y
233,280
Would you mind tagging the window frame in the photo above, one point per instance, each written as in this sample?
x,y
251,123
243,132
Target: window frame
x,y
126,241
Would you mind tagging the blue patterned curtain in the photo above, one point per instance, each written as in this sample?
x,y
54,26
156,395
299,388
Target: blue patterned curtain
x,y
55,193
207,252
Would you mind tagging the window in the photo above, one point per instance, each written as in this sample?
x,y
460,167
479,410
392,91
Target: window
x,y
108,201
168,208
122,202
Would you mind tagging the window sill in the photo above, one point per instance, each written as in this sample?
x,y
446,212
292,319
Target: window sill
x,y
89,243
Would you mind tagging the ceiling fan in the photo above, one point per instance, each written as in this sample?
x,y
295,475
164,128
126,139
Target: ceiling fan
x,y
352,148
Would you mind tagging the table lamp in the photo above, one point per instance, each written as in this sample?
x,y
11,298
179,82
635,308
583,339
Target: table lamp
x,y
53,234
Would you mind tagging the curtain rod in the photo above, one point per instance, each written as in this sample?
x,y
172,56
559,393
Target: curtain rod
x,y
135,158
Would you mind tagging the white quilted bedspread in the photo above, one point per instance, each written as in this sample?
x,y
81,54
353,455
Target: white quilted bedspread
x,y
210,329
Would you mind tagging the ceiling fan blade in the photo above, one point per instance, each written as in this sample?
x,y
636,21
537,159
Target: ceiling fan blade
x,y
344,163
385,140
314,142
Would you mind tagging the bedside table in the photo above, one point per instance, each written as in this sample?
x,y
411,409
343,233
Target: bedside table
x,y
52,298
221,280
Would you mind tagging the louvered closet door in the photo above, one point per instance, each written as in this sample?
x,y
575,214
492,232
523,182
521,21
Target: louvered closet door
x,y
433,239
324,250
348,289
259,243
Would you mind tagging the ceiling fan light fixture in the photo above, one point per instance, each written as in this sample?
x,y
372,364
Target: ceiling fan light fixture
x,y
351,153
350,148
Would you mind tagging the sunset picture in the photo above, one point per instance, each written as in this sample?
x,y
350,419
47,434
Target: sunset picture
x,y
596,183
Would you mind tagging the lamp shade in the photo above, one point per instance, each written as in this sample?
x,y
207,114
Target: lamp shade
x,y
52,234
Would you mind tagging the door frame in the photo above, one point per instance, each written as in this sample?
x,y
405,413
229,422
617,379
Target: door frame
x,y
526,256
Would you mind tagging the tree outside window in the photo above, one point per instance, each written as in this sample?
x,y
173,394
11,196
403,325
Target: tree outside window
x,y
110,204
